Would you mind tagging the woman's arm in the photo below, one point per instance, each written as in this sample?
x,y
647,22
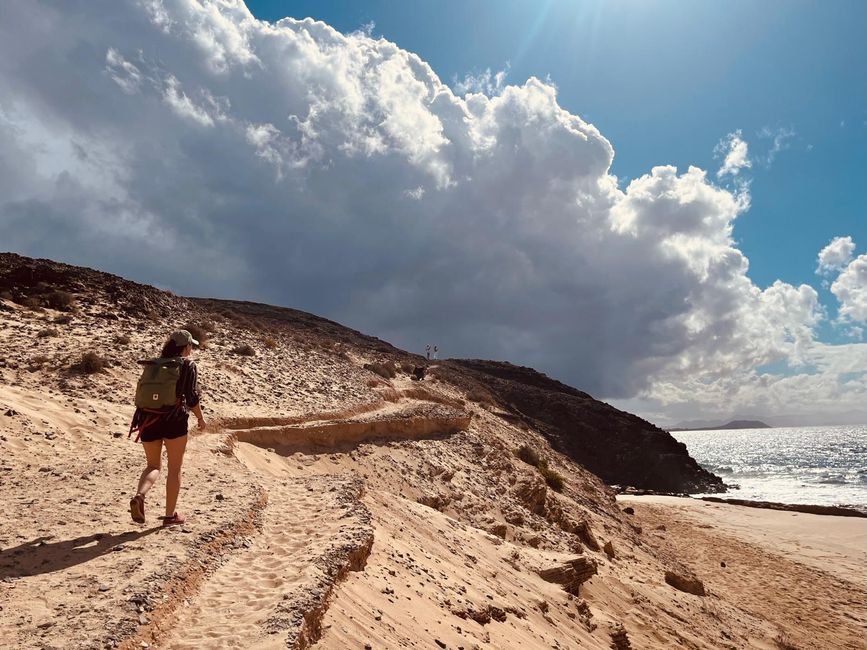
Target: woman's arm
x,y
197,410
192,396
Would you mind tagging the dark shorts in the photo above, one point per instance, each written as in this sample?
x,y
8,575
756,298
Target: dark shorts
x,y
176,428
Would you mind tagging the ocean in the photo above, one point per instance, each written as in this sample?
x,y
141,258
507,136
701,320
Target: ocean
x,y
813,465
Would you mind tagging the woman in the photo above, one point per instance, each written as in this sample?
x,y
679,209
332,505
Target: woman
x,y
168,427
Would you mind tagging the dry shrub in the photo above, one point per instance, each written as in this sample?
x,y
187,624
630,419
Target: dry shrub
x,y
39,359
552,478
63,319
49,331
481,397
407,367
373,383
60,300
122,339
200,332
244,350
269,343
92,363
528,455
31,302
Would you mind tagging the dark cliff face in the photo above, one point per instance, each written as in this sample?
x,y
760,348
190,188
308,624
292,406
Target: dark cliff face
x,y
619,447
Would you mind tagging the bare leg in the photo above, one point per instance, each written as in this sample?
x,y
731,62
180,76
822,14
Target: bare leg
x,y
153,451
175,450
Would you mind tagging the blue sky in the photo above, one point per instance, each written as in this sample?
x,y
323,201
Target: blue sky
x,y
665,80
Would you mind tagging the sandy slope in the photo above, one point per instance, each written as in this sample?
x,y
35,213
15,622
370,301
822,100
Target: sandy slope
x,y
397,541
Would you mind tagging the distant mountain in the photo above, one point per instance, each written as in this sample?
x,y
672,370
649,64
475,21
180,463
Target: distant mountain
x,y
734,424
852,417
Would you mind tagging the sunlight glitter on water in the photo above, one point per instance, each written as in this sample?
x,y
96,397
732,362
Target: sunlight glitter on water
x,y
814,465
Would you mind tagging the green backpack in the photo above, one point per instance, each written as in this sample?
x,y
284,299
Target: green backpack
x,y
157,386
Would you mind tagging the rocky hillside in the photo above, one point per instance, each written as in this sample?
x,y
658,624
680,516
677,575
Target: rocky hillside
x,y
333,500
620,448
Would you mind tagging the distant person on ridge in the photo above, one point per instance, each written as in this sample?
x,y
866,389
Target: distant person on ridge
x,y
165,395
436,350
427,352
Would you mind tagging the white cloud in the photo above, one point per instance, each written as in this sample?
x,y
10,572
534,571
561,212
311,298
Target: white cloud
x,y
836,255
487,82
336,173
780,138
736,154
850,288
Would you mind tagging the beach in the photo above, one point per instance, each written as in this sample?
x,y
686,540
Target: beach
x,y
806,572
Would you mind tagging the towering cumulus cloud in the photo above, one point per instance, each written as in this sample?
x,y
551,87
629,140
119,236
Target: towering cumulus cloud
x,y
188,144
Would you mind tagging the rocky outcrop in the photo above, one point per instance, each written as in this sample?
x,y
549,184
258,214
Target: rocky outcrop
x,y
620,448
685,582
571,574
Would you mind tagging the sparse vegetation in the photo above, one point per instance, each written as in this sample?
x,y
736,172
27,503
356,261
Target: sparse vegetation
x,y
122,339
269,343
552,478
528,455
531,456
63,319
201,332
245,350
39,359
481,397
60,300
407,368
92,363
47,332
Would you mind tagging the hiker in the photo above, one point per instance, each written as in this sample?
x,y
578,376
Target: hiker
x,y
170,380
427,352
436,351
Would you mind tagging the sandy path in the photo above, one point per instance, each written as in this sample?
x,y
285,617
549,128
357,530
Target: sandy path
x,y
235,607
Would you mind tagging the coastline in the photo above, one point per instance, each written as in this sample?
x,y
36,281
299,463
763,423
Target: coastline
x,y
831,543
810,509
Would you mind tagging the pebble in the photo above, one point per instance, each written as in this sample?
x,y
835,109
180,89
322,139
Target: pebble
x,y
104,587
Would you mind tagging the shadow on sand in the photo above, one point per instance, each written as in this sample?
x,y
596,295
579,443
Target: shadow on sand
x,y
40,555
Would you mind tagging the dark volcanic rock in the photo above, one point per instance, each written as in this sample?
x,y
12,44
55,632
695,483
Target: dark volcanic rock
x,y
619,447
